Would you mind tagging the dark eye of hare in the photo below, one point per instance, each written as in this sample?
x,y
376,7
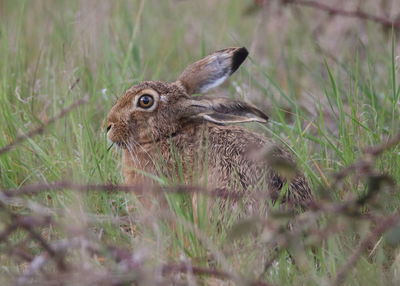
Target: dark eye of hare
x,y
145,101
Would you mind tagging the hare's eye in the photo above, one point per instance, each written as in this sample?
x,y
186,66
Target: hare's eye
x,y
146,101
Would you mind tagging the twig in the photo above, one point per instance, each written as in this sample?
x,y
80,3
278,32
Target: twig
x,y
375,235
8,230
34,267
27,223
380,148
61,185
41,128
270,261
364,164
387,23
123,257
38,262
184,268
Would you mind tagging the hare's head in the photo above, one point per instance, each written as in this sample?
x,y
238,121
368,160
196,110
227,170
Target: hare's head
x,y
153,110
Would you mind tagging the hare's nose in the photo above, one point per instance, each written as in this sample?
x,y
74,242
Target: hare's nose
x,y
109,127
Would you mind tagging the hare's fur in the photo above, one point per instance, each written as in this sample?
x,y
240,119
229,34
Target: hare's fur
x,y
194,135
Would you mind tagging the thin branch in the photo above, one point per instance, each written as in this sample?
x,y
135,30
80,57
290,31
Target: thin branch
x,y
387,23
364,164
380,148
63,185
375,235
39,261
41,128
7,232
123,257
184,268
28,223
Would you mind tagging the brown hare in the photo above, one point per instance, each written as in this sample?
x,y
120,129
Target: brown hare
x,y
164,130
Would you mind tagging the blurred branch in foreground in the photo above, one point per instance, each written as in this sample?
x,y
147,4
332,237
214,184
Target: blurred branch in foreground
x,y
386,23
383,226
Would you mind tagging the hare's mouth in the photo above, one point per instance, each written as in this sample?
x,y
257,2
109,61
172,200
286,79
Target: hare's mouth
x,y
120,144
112,143
115,141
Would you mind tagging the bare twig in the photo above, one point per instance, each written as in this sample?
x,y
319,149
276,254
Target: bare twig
x,y
380,148
35,266
184,268
365,163
387,23
123,257
28,223
41,128
63,185
39,261
375,235
7,231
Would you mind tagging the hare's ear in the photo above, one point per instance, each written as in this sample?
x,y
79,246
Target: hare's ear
x,y
223,111
212,70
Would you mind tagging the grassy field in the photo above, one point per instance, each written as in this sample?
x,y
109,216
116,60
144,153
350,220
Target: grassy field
x,y
329,84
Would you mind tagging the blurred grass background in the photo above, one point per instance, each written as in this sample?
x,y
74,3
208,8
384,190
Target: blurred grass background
x,y
328,83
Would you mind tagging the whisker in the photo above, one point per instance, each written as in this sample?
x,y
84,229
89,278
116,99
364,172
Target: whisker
x,y
144,151
109,148
131,152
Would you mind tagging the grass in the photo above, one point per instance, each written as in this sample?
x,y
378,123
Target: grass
x,y
326,111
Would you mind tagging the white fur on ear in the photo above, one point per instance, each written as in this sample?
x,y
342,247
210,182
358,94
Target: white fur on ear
x,y
230,119
212,84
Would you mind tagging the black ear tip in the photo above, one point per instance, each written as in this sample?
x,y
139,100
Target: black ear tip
x,y
238,58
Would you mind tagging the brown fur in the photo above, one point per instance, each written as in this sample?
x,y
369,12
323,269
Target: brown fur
x,y
189,131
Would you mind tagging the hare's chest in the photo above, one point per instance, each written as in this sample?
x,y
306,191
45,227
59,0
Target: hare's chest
x,y
137,164
182,162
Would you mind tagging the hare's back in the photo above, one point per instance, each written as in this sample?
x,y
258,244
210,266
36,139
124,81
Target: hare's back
x,y
235,155
244,159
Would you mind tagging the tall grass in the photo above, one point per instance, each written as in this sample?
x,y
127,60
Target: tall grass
x,y
326,105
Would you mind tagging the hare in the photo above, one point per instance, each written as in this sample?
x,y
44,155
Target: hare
x,y
162,124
